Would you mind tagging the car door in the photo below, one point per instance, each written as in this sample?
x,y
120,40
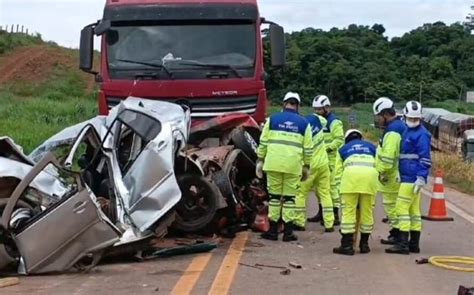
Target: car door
x,y
64,233
145,154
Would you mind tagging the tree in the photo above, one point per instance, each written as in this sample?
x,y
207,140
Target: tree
x,y
358,63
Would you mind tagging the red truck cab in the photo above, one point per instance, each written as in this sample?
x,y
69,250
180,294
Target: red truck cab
x,y
207,54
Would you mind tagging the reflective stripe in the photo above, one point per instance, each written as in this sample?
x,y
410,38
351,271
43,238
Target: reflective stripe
x,y
365,164
318,143
386,160
425,161
409,157
286,142
404,198
438,196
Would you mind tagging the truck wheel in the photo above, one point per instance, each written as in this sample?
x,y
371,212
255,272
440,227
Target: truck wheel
x,y
198,204
245,142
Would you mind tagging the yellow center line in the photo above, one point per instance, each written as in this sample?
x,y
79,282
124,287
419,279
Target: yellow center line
x,y
191,275
226,273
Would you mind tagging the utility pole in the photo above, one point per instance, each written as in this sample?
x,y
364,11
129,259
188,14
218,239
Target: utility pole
x,y
421,91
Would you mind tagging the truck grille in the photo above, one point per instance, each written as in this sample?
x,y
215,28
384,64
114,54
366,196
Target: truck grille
x,y
209,107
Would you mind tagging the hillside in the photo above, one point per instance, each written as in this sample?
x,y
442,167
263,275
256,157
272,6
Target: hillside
x,y
41,89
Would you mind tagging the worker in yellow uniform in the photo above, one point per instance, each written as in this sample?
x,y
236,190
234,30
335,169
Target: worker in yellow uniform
x,y
388,152
415,164
334,139
356,159
284,153
319,179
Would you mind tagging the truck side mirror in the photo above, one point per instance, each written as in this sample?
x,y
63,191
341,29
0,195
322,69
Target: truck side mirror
x,y
277,45
86,50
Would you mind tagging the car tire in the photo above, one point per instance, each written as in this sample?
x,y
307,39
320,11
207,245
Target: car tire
x,y
244,141
198,204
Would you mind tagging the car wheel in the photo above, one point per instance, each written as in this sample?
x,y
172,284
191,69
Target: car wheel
x,y
198,204
244,141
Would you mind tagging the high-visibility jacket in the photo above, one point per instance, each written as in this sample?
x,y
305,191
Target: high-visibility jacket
x,y
320,156
333,135
356,160
388,153
286,143
415,154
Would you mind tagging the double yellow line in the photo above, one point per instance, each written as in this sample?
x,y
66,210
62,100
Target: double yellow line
x,y
225,275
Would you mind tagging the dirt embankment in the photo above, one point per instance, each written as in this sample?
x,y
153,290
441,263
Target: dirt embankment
x,y
36,63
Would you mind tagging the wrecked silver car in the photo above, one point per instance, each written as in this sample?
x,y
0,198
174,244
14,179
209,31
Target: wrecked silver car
x,y
122,179
105,182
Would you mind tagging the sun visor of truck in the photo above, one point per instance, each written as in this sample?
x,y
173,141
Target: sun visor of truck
x,y
240,12
102,27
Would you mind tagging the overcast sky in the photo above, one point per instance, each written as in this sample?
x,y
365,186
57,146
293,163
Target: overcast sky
x,y
62,20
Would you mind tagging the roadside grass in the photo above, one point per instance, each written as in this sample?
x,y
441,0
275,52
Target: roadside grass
x,y
31,113
457,172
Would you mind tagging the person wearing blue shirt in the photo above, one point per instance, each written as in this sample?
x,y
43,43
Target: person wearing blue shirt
x,y
414,168
355,163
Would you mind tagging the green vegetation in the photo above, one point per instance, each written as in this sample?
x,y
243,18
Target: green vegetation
x,y
361,114
359,64
9,41
32,112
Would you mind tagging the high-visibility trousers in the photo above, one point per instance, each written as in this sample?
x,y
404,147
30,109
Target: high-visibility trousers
x,y
349,211
282,188
336,199
319,180
408,208
389,206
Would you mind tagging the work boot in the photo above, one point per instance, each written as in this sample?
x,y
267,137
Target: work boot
x,y
329,230
318,217
272,233
414,243
392,237
336,217
346,245
364,243
288,234
401,247
298,227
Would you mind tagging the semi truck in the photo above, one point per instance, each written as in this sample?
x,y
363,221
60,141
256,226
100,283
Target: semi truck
x,y
207,54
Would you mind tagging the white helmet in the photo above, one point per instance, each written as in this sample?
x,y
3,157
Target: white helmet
x,y
350,131
413,109
383,103
321,101
291,95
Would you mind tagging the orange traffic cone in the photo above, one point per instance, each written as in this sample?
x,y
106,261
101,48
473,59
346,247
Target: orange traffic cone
x,y
438,210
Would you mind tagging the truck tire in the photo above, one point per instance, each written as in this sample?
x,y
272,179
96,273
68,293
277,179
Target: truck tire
x,y
244,141
198,204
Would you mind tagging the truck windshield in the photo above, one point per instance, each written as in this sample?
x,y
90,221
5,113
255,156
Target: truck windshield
x,y
194,51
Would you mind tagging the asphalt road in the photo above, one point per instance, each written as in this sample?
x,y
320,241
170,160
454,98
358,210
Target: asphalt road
x,y
229,268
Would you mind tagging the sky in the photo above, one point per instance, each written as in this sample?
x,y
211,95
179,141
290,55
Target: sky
x,y
62,20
